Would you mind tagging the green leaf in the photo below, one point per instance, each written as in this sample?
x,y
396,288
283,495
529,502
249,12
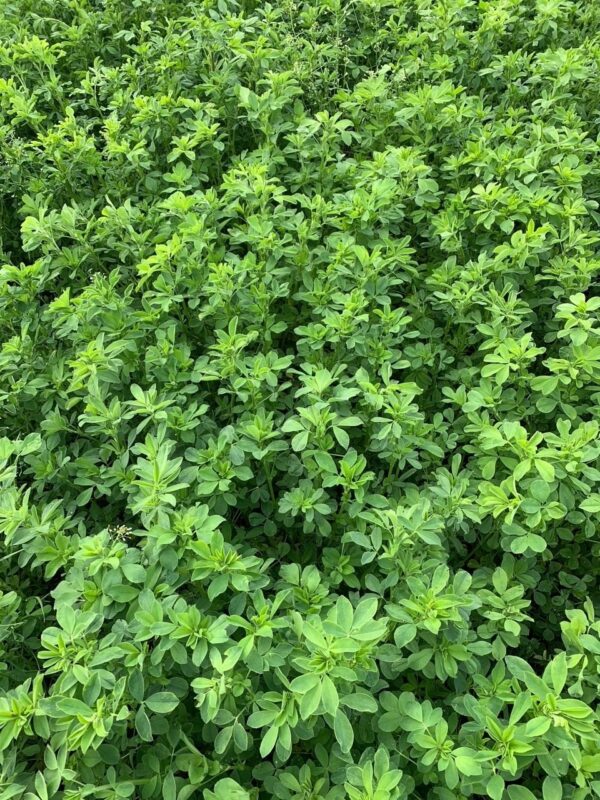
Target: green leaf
x,y
467,765
545,470
268,741
134,572
74,708
558,672
360,702
537,727
343,731
495,787
226,789
169,788
40,786
142,725
552,789
520,793
329,696
162,702
591,504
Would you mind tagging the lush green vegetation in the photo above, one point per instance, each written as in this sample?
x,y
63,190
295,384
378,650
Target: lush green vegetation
x,y
299,399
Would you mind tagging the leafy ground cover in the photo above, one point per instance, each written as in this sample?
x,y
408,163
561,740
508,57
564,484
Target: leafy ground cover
x,y
299,383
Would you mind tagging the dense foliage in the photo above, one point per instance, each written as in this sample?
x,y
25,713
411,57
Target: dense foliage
x,y
299,399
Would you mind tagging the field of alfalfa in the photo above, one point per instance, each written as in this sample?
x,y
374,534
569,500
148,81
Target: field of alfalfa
x,y
299,399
